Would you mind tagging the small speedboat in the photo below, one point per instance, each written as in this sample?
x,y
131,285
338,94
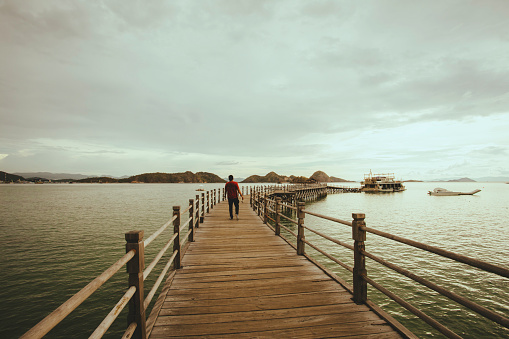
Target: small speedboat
x,y
444,192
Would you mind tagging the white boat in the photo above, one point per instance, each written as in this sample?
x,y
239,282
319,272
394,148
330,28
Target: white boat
x,y
381,183
444,192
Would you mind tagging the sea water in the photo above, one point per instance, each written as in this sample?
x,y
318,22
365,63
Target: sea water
x,y
59,237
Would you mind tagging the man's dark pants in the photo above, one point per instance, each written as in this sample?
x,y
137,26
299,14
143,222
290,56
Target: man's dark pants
x,y
230,206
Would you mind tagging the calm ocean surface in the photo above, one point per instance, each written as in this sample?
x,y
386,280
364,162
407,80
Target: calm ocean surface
x,y
57,238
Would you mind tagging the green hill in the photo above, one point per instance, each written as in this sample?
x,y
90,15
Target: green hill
x,y
271,177
7,177
186,177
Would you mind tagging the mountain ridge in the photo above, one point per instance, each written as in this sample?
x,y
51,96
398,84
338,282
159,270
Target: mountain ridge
x,y
319,176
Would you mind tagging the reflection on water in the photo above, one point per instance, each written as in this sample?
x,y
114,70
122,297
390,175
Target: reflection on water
x,y
59,237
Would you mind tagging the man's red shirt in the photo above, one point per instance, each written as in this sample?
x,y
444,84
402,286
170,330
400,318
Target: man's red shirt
x,y
231,189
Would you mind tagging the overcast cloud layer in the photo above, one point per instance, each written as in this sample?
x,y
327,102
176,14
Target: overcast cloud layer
x,y
419,88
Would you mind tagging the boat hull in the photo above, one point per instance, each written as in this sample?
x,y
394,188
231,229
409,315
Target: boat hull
x,y
381,190
450,193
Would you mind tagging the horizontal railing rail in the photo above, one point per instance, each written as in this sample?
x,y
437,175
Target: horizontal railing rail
x,y
48,323
114,313
269,210
504,272
134,259
159,231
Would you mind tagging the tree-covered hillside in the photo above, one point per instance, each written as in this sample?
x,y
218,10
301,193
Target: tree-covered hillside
x,y
186,177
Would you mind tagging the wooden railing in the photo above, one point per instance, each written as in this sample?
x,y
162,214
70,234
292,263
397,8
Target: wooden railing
x,y
270,211
139,325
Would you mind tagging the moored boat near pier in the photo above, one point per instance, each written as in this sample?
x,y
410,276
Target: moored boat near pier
x,y
381,183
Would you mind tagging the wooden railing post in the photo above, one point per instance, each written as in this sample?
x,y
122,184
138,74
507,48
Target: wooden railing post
x,y
197,211
208,202
191,222
265,211
202,216
360,286
135,268
300,225
278,217
251,196
176,230
259,203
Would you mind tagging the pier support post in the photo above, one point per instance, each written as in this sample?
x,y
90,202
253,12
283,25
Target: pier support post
x,y
255,200
360,286
176,242
191,222
197,211
202,216
259,203
300,227
278,217
135,268
265,211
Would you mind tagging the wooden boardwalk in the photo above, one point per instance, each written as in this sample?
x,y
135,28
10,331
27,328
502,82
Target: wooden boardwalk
x,y
239,280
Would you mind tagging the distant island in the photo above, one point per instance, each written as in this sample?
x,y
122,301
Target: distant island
x,y
190,177
462,180
185,177
273,177
455,180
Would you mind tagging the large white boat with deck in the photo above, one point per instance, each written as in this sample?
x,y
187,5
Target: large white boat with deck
x,y
381,183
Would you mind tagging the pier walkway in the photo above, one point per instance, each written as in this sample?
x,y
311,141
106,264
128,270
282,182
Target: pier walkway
x,y
239,280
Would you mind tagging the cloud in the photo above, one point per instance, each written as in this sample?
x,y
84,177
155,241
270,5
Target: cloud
x,y
227,163
286,84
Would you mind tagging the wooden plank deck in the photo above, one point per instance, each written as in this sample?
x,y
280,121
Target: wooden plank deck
x,y
239,280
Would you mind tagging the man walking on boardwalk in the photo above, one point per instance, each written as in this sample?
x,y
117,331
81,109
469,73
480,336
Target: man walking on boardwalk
x,y
232,188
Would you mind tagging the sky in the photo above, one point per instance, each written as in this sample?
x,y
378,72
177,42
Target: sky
x,y
243,87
